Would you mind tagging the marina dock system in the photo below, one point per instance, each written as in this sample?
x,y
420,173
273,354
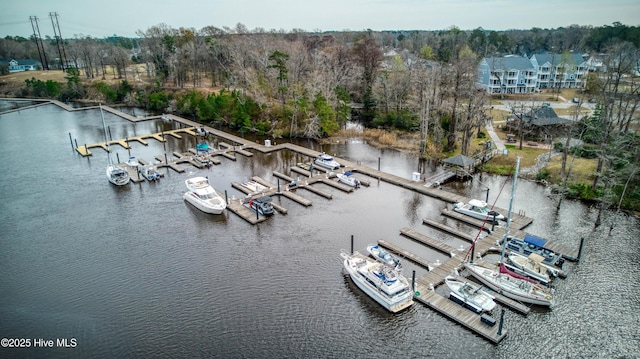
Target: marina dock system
x,y
426,287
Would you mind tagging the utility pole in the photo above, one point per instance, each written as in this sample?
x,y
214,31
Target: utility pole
x,y
59,42
39,44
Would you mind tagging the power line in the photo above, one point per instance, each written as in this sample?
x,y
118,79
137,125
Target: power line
x,y
59,41
38,39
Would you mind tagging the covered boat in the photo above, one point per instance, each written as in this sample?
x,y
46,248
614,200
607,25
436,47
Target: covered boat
x,y
379,281
470,295
262,205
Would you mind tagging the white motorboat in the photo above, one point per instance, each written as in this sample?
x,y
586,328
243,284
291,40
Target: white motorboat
x,y
470,295
477,209
254,186
381,282
116,175
204,197
133,162
515,288
150,173
327,161
348,179
534,267
262,205
382,255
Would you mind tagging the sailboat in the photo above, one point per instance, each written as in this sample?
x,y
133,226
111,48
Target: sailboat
x,y
115,174
508,283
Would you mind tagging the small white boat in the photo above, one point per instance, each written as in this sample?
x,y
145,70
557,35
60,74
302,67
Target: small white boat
x,y
382,283
254,186
512,287
150,173
327,161
204,197
117,175
133,162
348,179
262,205
477,209
203,159
470,295
382,255
534,267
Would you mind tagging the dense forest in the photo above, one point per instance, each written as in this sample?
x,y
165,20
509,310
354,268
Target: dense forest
x,y
307,84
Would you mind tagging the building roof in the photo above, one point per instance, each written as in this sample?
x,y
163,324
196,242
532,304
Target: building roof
x,y
508,63
460,160
554,59
544,116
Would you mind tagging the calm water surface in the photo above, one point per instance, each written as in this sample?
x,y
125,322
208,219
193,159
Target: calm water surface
x,y
136,272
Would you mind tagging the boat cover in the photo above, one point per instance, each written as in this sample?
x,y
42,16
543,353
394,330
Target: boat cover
x,y
536,241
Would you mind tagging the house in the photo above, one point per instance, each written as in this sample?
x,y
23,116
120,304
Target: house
x,y
539,123
507,75
560,70
21,65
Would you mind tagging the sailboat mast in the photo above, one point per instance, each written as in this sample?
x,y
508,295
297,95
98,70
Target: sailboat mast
x,y
513,194
104,129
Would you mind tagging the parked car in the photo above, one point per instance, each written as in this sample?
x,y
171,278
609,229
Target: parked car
x,y
576,100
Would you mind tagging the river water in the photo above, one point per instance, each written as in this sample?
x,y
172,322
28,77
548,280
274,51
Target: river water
x,y
136,272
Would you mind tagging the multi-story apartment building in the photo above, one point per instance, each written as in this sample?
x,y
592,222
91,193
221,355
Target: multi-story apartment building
x,y
509,74
515,74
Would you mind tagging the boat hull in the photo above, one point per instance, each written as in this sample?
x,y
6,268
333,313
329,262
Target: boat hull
x,y
216,206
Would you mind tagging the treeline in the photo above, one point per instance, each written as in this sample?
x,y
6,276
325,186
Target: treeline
x,y
309,84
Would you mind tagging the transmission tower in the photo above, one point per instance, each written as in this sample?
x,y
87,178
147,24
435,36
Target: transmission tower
x,y
59,42
39,44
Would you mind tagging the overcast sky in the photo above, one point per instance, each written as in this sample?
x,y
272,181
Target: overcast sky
x,y
125,17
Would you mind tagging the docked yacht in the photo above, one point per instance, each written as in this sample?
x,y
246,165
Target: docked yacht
x,y
477,209
327,161
204,197
379,281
